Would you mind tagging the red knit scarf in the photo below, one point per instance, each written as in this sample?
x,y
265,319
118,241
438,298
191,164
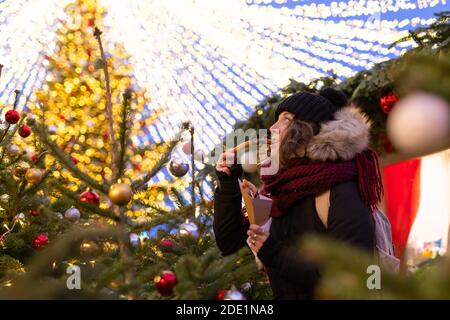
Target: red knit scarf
x,y
303,177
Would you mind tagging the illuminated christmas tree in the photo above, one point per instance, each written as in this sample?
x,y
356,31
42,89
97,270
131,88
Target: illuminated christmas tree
x,y
111,227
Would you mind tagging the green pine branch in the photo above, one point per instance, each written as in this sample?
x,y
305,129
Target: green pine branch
x,y
158,165
125,116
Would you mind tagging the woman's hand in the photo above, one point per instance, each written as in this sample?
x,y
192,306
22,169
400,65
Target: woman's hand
x,y
226,160
256,237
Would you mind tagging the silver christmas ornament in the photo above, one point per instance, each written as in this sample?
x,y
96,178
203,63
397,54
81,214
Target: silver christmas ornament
x,y
13,150
178,168
189,230
72,214
52,129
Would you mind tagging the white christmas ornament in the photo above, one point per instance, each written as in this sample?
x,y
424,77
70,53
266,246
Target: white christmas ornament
x,y
420,124
134,239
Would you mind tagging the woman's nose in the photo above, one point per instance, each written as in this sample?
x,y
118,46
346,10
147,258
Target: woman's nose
x,y
273,127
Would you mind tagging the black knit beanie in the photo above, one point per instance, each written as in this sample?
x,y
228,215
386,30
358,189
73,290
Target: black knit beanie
x,y
313,107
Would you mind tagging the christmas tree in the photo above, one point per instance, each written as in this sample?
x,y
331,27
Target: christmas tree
x,y
93,165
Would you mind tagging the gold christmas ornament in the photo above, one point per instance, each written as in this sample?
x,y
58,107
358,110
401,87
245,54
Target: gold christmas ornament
x,y
89,249
34,175
120,194
21,168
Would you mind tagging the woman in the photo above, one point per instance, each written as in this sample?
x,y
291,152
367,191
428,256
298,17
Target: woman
x,y
323,146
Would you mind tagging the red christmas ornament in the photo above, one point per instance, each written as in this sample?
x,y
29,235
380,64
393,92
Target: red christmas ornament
x,y
12,116
387,102
90,197
165,282
40,241
34,212
221,294
74,160
24,131
34,157
166,243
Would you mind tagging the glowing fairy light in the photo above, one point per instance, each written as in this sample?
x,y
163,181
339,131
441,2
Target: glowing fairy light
x,y
210,62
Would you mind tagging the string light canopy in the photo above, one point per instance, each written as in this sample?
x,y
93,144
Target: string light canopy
x,y
210,62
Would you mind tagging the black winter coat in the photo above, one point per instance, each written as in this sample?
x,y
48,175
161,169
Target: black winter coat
x,y
291,276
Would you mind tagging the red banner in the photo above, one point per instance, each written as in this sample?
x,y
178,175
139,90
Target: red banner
x,y
402,194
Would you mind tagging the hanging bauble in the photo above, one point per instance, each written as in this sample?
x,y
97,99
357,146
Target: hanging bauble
x,y
4,198
13,150
40,241
233,294
12,116
74,160
178,168
72,214
420,124
34,212
188,230
166,244
52,130
135,241
89,249
31,119
24,131
249,162
165,282
120,194
34,157
221,294
186,148
89,196
387,102
21,168
34,175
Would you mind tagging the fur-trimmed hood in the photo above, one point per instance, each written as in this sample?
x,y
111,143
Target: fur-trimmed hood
x,y
340,139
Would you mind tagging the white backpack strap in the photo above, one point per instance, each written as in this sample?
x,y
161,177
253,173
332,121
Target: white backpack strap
x,y
323,206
